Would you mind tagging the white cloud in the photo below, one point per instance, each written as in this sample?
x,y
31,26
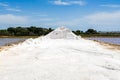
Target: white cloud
x,y
8,8
104,18
59,2
78,2
13,9
12,19
45,19
42,15
111,5
3,4
70,2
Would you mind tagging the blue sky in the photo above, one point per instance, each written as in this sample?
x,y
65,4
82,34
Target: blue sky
x,y
103,15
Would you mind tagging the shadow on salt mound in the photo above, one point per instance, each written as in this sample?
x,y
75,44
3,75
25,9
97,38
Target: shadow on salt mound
x,y
32,41
62,33
29,40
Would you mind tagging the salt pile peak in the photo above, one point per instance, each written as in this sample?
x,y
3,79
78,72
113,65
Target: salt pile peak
x,y
62,33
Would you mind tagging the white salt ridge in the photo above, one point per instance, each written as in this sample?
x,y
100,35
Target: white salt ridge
x,y
59,59
62,33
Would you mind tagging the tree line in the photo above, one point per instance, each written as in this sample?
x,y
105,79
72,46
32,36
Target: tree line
x,y
39,31
25,31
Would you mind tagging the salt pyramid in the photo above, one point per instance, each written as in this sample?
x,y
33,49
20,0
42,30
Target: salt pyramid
x,y
62,33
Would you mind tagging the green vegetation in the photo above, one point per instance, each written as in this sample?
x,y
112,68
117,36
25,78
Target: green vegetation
x,y
39,31
25,31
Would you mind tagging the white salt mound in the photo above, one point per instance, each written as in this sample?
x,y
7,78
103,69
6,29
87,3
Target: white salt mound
x,y
59,57
62,33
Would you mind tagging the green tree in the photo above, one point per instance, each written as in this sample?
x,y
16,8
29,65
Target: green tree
x,y
91,31
21,31
12,31
78,32
4,33
32,29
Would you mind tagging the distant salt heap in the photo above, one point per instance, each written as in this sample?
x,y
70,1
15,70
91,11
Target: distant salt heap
x,y
62,33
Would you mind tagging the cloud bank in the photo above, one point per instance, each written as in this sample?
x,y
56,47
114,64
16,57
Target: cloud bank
x,y
70,2
12,19
104,18
111,5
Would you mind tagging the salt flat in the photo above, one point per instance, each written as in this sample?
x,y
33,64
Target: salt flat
x,y
59,59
